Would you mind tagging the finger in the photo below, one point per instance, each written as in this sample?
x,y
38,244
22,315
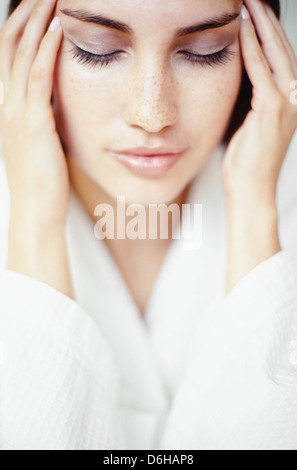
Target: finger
x,y
28,47
18,19
272,45
10,33
254,60
288,46
41,75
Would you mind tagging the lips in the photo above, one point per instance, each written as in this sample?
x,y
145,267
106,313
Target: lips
x,y
148,164
150,151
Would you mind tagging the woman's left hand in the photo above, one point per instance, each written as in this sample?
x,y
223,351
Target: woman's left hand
x,y
254,157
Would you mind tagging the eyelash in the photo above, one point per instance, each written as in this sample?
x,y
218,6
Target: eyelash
x,y
217,58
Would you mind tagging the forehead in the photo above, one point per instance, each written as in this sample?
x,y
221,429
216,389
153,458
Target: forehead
x,y
157,16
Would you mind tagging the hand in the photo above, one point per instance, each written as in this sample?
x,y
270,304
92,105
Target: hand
x,y
255,155
36,167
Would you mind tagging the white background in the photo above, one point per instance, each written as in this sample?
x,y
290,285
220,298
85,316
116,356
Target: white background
x,y
289,17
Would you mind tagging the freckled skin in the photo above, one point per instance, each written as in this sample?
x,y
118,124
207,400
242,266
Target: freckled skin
x,y
150,96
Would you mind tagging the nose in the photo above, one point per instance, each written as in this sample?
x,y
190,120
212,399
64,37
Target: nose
x,y
151,101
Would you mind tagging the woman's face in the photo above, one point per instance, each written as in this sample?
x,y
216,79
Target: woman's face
x,y
152,95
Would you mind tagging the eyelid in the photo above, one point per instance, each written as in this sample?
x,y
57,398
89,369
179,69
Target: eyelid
x,y
206,49
109,46
218,58
216,51
86,48
88,58
110,52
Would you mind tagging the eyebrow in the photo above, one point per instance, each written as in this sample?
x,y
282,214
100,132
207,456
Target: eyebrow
x,y
212,23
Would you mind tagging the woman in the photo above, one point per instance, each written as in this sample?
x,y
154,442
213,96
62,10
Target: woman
x,y
138,343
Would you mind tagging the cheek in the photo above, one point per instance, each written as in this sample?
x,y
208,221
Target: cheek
x,y
85,104
210,99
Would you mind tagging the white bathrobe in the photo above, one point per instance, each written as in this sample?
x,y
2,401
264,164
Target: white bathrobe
x,y
200,371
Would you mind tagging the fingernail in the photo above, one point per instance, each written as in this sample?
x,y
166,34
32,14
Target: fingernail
x,y
244,13
54,24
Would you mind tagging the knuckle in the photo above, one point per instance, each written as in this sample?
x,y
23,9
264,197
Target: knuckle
x,y
274,39
24,50
278,104
4,39
257,58
5,33
38,73
37,14
30,121
34,119
10,108
8,112
293,113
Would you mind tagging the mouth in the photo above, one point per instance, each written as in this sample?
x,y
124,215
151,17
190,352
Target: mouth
x,y
148,164
151,151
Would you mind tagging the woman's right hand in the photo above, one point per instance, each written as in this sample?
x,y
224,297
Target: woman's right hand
x,y
35,163
36,166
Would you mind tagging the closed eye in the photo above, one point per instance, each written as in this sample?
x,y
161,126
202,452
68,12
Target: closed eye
x,y
86,57
216,58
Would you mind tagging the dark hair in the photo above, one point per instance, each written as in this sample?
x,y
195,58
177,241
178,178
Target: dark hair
x,y
244,98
